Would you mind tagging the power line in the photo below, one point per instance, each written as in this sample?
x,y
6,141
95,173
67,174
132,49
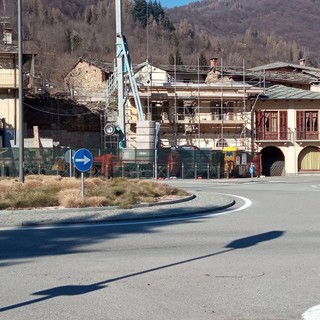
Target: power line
x,y
58,114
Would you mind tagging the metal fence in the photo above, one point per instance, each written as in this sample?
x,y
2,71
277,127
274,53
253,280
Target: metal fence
x,y
182,163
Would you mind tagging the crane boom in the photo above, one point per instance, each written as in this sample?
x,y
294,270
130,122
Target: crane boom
x,y
129,69
124,65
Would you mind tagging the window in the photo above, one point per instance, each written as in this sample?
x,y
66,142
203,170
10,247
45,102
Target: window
x,y
271,125
311,121
307,125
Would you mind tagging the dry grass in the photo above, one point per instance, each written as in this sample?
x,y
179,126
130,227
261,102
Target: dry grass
x,y
47,191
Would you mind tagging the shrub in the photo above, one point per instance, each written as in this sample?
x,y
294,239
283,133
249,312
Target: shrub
x,y
46,191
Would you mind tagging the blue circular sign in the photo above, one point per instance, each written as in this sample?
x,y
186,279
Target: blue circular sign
x,y
83,160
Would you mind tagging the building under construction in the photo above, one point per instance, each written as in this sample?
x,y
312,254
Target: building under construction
x,y
198,107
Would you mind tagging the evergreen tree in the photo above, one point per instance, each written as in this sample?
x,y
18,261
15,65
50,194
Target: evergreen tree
x,y
89,16
168,25
313,62
157,11
140,12
300,54
175,59
203,61
179,60
171,59
75,41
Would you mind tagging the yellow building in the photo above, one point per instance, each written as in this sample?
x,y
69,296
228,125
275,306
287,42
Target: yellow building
x,y
9,90
287,131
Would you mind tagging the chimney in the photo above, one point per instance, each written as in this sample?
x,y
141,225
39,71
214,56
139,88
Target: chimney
x,y
7,35
302,62
213,62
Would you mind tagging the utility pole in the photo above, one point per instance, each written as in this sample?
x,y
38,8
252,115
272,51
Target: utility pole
x,y
21,117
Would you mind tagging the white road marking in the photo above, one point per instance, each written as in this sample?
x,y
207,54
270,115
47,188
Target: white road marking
x,y
247,204
312,313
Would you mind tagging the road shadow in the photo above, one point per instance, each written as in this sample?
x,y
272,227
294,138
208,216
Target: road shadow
x,y
74,290
49,241
254,240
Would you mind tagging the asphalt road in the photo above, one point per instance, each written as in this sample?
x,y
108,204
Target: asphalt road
x,y
258,263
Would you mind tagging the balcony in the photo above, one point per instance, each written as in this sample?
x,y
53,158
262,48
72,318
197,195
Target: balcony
x,y
9,79
281,136
302,135
230,117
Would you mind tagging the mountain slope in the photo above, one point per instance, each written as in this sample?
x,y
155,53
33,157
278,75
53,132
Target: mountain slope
x,y
239,32
294,20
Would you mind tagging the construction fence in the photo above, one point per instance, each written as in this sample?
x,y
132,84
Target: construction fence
x,y
164,163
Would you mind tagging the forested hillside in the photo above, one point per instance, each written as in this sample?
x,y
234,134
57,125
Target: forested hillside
x,y
250,32
293,20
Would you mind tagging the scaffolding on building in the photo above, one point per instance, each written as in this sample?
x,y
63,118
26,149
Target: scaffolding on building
x,y
175,96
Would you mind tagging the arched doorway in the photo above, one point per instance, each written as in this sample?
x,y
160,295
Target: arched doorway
x,y
309,159
272,162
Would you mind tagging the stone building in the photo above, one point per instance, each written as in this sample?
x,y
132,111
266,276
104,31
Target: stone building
x,y
86,81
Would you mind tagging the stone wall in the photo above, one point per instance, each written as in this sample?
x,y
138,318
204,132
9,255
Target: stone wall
x,y
86,76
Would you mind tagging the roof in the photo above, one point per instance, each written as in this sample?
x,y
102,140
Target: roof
x,y
174,68
275,76
103,65
277,65
13,49
8,48
298,73
280,92
293,77
184,69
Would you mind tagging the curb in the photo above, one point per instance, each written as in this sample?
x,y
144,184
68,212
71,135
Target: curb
x,y
174,215
32,221
154,204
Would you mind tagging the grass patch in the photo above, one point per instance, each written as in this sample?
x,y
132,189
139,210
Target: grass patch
x,y
51,191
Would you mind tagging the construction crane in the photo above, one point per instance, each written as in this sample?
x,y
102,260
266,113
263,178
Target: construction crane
x,y
123,72
124,65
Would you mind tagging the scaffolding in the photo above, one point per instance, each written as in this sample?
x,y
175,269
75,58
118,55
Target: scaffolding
x,y
192,111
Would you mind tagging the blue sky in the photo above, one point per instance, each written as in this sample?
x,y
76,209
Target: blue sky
x,y
174,3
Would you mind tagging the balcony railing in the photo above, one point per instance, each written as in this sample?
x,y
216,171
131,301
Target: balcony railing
x,y
302,135
9,79
286,135
230,116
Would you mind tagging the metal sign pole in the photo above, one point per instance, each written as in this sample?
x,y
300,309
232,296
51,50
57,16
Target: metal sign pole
x,y
70,171
156,142
155,164
82,185
83,160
